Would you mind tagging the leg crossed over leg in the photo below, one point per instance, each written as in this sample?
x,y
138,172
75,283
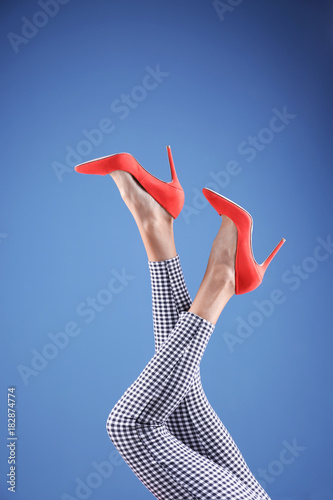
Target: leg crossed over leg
x,y
194,422
137,424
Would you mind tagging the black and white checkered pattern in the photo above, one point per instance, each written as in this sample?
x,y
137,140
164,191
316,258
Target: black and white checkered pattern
x,y
194,422
164,426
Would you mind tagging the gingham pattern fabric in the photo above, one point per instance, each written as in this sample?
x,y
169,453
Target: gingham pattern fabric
x,y
142,424
194,422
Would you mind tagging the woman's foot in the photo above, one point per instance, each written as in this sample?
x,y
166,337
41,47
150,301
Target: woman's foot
x,y
154,222
218,284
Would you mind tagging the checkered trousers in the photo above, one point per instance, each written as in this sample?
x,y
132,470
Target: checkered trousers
x,y
163,425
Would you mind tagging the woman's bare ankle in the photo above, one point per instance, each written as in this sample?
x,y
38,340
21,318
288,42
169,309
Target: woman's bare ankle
x,y
218,284
210,302
158,240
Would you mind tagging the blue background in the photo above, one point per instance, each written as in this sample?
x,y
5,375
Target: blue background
x,y
63,234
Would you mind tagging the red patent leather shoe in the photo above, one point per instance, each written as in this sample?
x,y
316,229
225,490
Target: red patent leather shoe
x,y
169,195
248,274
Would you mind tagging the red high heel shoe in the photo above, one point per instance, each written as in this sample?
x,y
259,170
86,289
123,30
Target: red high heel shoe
x,y
169,195
248,274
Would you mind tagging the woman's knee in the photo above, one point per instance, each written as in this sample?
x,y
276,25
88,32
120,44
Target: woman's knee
x,y
120,427
113,424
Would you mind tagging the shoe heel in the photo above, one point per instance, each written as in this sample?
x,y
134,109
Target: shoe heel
x,y
172,167
271,256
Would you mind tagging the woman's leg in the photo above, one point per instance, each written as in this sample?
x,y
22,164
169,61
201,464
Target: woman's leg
x,y
194,422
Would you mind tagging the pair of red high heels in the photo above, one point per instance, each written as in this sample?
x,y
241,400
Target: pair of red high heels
x,y
170,195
